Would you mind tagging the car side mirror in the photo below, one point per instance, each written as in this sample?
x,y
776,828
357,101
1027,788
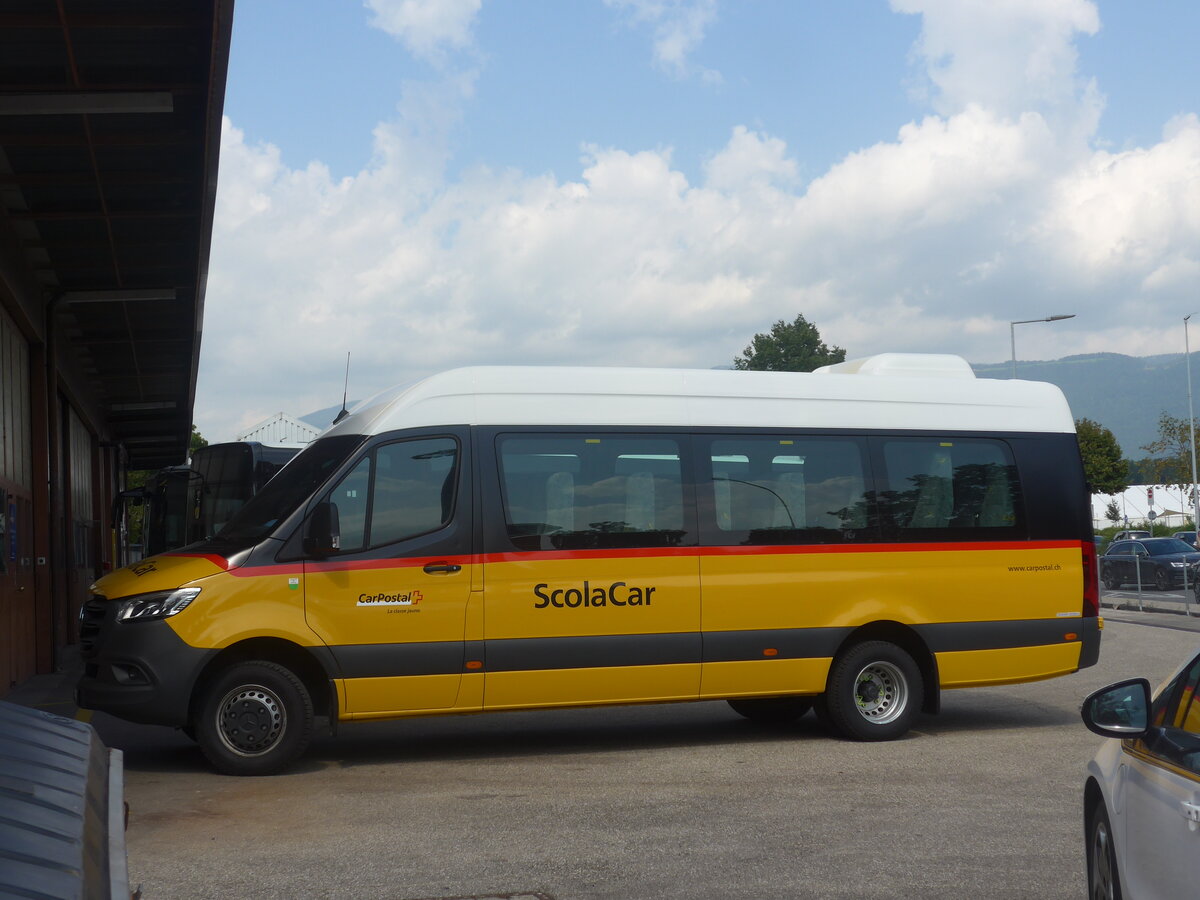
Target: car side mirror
x,y
1121,710
322,532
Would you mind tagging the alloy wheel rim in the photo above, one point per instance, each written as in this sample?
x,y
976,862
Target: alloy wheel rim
x,y
1102,882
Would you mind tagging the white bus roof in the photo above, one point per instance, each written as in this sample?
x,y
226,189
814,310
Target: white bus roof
x,y
889,391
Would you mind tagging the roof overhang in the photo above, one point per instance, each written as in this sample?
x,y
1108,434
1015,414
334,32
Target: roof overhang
x,y
110,125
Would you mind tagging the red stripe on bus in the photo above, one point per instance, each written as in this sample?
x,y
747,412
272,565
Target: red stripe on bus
x,y
633,553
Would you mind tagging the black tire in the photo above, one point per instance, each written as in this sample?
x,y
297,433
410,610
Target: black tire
x,y
772,710
255,718
1110,582
874,692
1104,879
1162,580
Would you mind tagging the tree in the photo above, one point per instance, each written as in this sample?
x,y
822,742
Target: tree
x,y
794,347
1103,466
1171,452
196,441
1112,512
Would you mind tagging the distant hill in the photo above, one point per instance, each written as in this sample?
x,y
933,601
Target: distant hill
x,y
1125,394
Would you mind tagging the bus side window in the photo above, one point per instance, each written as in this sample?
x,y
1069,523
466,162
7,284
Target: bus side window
x,y
575,492
951,485
778,490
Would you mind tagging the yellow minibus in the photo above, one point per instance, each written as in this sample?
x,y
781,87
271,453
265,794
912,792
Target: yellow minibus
x,y
856,539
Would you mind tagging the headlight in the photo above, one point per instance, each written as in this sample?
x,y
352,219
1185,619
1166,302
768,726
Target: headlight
x,y
158,605
1178,565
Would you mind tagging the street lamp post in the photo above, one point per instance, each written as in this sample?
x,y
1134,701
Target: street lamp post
x,y
1187,355
1012,334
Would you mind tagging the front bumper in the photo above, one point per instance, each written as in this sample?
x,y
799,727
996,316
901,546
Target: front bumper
x,y
139,671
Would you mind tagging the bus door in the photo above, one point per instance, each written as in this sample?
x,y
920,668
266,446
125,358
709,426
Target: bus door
x,y
592,573
781,517
391,602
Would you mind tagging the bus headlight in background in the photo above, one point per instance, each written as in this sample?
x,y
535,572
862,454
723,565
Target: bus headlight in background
x,y
156,605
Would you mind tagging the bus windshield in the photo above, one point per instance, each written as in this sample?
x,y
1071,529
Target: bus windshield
x,y
287,490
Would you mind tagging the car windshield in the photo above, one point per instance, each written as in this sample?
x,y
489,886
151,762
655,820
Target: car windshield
x,y
1166,546
292,486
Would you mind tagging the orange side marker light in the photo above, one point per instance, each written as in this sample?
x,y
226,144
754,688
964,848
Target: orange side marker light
x,y
474,664
1070,636
770,651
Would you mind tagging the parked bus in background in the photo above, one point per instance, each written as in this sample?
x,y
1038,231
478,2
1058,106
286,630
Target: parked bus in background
x,y
183,504
857,539
228,475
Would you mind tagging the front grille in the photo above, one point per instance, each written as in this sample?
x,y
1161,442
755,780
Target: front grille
x,y
91,618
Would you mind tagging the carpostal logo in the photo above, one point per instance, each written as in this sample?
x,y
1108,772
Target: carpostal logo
x,y
412,598
618,593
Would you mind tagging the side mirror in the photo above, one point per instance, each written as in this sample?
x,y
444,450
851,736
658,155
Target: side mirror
x,y
322,533
1121,710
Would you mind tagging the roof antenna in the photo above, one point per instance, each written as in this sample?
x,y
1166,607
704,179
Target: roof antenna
x,y
345,391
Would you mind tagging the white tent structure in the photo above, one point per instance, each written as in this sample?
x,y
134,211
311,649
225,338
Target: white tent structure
x,y
280,430
1143,504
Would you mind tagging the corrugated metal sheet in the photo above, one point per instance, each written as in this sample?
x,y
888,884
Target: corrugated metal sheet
x,y
62,809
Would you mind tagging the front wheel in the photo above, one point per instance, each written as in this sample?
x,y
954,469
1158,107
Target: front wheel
x,y
772,710
1162,580
1104,880
873,692
1110,580
254,719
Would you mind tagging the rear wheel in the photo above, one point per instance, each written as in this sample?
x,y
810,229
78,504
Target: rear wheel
x,y
1104,881
254,719
772,710
874,692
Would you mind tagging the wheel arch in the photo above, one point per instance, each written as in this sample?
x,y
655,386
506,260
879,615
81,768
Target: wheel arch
x,y
300,660
904,637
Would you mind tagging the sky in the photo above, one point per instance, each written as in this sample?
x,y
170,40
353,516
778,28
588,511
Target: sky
x,y
426,184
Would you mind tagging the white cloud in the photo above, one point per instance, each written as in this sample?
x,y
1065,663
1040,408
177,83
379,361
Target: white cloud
x,y
426,27
996,210
1011,56
679,27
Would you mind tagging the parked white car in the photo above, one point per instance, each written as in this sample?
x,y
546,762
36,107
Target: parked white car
x,y
1141,801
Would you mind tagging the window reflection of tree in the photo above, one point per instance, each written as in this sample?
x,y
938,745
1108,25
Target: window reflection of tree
x,y
980,495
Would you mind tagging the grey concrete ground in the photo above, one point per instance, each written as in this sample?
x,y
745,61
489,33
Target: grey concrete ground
x,y
657,801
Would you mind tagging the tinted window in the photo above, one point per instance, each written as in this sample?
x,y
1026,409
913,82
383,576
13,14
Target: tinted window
x,y
771,490
592,491
414,488
1176,712
350,499
397,491
1167,546
962,485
